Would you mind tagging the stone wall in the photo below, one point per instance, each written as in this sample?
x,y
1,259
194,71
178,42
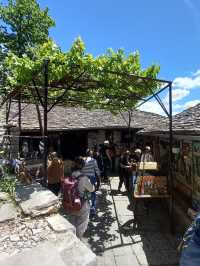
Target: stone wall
x,y
95,138
14,149
2,121
117,137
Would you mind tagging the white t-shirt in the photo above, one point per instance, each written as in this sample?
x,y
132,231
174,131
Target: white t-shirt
x,y
84,183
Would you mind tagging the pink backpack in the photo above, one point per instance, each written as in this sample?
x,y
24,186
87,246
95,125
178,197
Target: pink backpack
x,y
71,196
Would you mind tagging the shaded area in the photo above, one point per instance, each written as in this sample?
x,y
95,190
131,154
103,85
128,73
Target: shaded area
x,y
145,242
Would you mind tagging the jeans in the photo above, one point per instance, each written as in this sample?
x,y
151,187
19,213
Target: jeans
x,y
93,194
190,255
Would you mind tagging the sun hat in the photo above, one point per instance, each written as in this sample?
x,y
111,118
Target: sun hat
x,y
138,151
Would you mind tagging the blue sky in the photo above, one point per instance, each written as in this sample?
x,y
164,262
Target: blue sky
x,y
164,32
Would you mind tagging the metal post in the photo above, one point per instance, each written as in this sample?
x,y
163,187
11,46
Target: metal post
x,y
19,112
19,123
170,160
46,66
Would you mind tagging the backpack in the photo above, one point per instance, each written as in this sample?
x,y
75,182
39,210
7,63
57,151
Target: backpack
x,y
72,200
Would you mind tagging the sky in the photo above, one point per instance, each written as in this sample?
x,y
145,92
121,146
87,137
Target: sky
x,y
164,32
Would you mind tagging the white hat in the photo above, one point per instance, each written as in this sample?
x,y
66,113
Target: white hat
x,y
138,151
106,142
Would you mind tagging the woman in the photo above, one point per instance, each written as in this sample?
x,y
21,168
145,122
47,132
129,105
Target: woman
x,y
55,173
80,218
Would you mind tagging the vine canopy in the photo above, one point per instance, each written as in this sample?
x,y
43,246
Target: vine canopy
x,y
112,80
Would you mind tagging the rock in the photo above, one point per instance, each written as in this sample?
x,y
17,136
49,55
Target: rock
x,y
75,252
67,250
8,211
14,238
36,200
59,224
35,238
4,196
3,238
36,231
44,254
20,245
3,255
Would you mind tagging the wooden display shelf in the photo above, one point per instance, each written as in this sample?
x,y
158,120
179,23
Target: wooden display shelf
x,y
145,196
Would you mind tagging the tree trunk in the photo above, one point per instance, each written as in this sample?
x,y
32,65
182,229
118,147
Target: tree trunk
x,y
129,128
38,112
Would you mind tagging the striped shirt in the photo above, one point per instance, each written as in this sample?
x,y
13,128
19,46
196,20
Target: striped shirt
x,y
91,167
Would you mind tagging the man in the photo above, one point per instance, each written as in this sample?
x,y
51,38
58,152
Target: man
x,y
107,161
147,155
91,170
126,170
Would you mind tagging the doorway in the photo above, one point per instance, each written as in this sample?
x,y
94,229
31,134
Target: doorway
x,y
73,144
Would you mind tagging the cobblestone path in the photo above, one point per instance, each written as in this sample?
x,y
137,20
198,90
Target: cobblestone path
x,y
147,242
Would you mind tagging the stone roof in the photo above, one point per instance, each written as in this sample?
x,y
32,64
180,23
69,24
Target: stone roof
x,y
74,118
186,122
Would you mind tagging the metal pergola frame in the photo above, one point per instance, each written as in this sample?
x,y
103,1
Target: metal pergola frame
x,y
83,84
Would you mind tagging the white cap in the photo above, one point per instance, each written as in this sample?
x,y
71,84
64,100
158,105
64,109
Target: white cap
x,y
138,151
106,142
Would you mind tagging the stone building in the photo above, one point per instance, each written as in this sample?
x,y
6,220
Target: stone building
x,y
186,158
72,129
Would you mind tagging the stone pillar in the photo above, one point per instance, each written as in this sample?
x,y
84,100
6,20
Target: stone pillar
x,y
92,139
2,121
100,136
14,148
117,137
95,138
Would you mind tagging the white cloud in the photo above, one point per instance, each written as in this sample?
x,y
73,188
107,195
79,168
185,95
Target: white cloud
x,y
152,107
177,108
187,83
178,94
197,73
191,104
182,87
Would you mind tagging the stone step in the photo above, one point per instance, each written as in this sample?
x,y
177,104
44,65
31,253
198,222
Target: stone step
x,y
67,251
35,200
8,212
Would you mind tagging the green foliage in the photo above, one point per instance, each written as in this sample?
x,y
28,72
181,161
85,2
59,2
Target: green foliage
x,y
7,184
24,25
93,82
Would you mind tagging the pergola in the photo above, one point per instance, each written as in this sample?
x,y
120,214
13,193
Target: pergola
x,y
39,94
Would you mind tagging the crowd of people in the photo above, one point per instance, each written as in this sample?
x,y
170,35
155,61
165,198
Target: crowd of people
x,y
90,171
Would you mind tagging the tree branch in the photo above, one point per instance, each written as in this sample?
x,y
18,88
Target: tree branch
x,y
66,89
38,94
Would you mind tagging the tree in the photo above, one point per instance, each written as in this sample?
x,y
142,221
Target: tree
x,y
23,26
78,78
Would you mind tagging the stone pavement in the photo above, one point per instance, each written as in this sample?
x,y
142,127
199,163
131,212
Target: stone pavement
x,y
47,239
148,242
